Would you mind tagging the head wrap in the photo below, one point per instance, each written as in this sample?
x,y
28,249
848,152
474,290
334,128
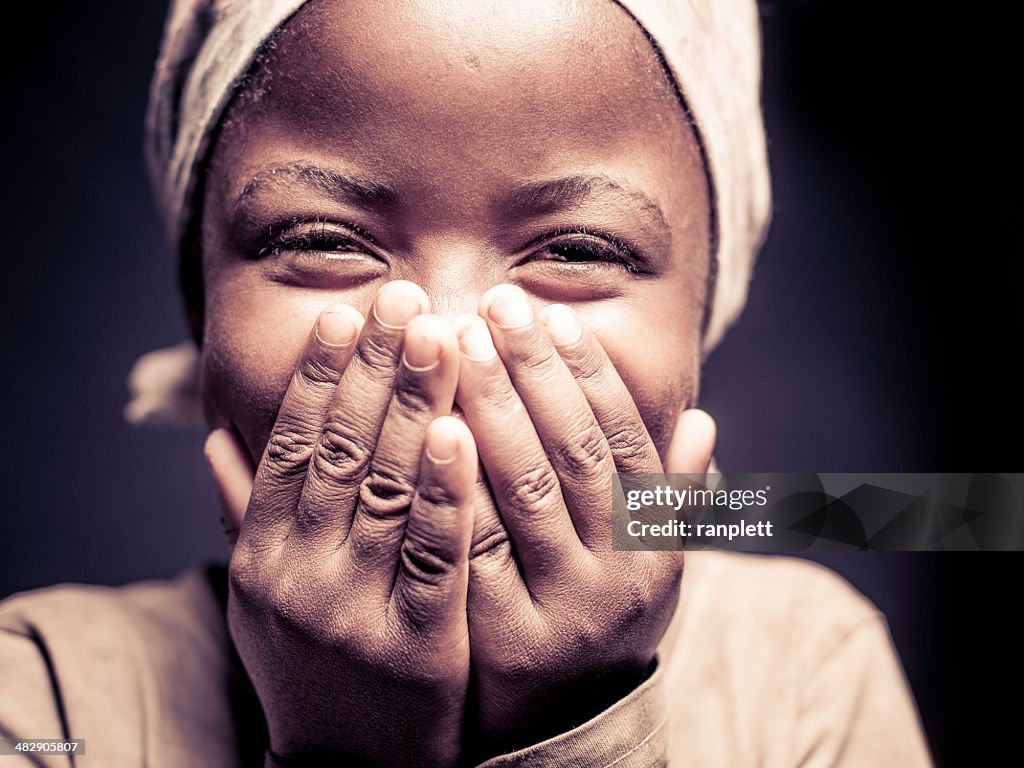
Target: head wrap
x,y
711,49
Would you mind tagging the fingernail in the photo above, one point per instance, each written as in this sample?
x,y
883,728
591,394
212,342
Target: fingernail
x,y
397,303
443,440
509,308
336,329
422,349
476,344
562,325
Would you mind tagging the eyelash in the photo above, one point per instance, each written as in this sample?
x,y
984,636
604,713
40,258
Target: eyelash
x,y
320,237
326,238
600,248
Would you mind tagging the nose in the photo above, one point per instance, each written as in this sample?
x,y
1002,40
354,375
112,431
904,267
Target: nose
x,y
451,301
454,275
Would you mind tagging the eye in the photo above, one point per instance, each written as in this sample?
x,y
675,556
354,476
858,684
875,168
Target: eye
x,y
579,265
321,254
316,237
584,250
581,252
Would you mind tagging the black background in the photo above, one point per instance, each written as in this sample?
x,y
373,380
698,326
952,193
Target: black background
x,y
882,325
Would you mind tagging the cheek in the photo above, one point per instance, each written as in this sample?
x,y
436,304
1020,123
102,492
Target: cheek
x,y
252,340
655,347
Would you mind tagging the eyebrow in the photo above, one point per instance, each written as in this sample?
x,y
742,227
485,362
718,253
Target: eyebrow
x,y
532,199
571,191
356,190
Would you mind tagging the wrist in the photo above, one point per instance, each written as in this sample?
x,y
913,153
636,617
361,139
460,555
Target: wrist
x,y
548,711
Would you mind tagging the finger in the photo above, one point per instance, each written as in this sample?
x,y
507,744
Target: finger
x,y
350,431
565,424
693,442
424,391
496,585
281,473
491,548
430,589
525,486
232,472
631,445
494,575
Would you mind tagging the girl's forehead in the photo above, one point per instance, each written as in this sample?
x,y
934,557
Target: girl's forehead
x,y
544,61
469,33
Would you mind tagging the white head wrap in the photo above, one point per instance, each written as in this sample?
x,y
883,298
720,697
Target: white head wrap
x,y
712,49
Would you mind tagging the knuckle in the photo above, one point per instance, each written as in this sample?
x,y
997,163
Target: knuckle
x,y
427,556
286,607
532,488
385,494
240,582
377,539
289,449
411,398
377,356
587,454
285,601
629,443
339,456
245,582
437,496
357,628
491,544
497,393
425,578
317,374
538,357
587,366
433,545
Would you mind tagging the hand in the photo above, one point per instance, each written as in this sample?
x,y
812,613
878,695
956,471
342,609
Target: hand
x,y
560,626
348,581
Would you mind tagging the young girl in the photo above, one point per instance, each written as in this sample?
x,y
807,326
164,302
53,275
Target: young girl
x,y
449,267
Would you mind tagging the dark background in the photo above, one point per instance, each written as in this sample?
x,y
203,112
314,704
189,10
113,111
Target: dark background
x,y
880,333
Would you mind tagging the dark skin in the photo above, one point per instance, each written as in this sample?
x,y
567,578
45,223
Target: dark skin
x,y
502,211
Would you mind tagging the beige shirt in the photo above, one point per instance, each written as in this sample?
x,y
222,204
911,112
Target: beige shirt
x,y
769,662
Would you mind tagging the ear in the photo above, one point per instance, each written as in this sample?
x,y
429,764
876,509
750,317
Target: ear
x,y
693,442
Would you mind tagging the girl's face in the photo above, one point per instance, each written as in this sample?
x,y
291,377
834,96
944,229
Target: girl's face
x,y
531,143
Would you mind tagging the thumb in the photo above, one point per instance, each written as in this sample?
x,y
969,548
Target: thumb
x,y
692,443
232,472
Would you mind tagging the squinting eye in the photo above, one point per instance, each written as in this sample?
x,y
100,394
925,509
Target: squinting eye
x,y
571,266
585,250
319,239
321,254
